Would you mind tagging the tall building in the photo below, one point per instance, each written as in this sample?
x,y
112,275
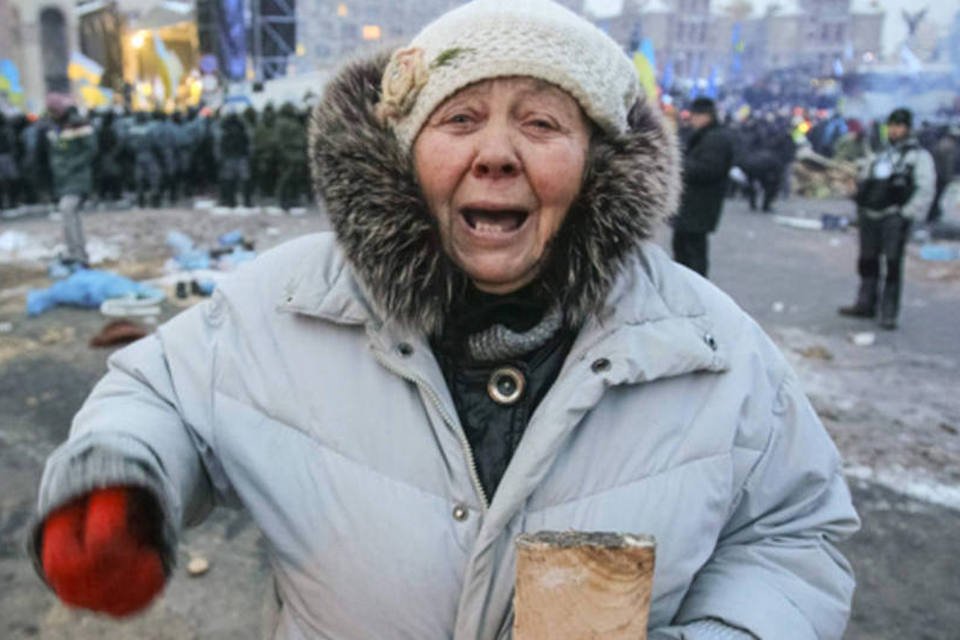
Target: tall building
x,y
695,36
328,30
680,31
866,25
38,38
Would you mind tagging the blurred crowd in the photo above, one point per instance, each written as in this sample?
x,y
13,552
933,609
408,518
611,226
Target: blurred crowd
x,y
239,155
766,144
244,157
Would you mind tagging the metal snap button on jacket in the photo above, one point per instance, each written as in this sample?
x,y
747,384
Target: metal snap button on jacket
x,y
506,385
710,340
460,513
600,365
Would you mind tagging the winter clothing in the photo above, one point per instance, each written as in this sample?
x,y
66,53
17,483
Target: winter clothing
x,y
291,152
266,152
672,414
69,207
884,231
110,151
35,161
908,155
763,170
346,482
165,142
9,173
691,248
503,349
147,170
232,147
99,553
491,38
72,149
944,158
706,163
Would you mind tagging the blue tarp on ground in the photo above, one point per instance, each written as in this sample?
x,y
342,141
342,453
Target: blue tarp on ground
x,y
86,288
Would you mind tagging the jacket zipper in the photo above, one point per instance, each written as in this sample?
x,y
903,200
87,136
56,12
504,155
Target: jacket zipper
x,y
461,436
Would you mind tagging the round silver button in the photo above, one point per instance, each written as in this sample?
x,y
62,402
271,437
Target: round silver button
x,y
600,365
506,385
460,513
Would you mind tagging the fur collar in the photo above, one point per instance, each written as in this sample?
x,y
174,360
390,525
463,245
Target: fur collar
x,y
391,241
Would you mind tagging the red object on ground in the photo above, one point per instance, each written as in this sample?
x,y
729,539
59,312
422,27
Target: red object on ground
x,y
97,553
118,332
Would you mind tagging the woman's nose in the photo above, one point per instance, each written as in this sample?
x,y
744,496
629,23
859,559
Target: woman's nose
x,y
496,155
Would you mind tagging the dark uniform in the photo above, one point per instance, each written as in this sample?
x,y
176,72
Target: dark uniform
x,y
266,152
147,173
233,154
9,173
292,181
110,159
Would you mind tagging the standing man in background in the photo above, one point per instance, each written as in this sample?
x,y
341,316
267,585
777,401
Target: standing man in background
x,y
708,156
72,147
897,188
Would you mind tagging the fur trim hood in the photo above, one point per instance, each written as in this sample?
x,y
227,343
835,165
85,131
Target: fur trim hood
x,y
383,225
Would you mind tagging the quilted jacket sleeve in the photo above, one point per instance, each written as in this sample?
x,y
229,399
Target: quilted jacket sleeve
x,y
146,424
775,571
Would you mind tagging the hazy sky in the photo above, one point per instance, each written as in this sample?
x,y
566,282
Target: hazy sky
x,y
940,12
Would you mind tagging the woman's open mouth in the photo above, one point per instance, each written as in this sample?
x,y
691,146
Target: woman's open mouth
x,y
494,221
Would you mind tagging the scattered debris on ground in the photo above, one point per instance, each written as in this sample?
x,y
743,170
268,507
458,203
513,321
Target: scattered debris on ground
x,y
197,566
817,176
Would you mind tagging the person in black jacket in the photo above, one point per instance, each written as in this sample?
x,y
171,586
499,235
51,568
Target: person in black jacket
x,y
707,160
9,173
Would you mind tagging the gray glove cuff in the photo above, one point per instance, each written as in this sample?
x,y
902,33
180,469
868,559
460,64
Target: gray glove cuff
x,y
98,468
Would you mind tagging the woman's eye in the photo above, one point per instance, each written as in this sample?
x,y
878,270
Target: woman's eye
x,y
542,124
459,118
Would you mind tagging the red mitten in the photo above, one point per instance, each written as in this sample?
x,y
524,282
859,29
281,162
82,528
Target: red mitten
x,y
100,551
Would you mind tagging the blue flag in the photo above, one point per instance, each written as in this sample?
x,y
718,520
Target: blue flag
x,y
233,39
712,91
666,80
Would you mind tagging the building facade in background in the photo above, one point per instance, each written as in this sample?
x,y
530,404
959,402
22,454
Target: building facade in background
x,y
38,38
692,38
695,36
329,30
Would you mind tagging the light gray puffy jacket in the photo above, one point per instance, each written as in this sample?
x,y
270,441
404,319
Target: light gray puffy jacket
x,y
674,415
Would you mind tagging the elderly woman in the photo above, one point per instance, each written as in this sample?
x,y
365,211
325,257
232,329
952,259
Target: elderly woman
x,y
488,344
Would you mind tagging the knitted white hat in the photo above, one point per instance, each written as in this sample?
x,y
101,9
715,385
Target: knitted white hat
x,y
497,38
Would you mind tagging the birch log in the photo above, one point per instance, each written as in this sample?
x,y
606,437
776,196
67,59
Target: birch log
x,y
578,585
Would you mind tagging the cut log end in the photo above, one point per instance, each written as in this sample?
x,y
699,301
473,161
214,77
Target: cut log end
x,y
575,584
599,539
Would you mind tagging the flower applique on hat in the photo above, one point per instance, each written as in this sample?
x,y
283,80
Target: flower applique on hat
x,y
405,75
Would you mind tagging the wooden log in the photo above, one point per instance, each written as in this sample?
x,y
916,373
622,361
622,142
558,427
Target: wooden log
x,y
576,585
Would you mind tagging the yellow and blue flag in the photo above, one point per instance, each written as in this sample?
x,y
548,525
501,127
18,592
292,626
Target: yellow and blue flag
x,y
645,63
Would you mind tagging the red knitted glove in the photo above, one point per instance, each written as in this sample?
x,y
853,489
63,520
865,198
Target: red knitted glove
x,y
100,551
